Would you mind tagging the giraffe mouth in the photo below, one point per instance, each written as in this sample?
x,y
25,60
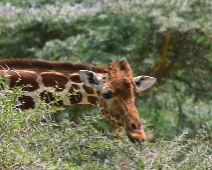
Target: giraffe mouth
x,y
137,136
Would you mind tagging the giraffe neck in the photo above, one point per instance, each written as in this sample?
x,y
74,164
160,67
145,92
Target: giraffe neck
x,y
45,85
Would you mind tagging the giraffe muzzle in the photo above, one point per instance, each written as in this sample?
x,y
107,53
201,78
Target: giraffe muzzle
x,y
137,136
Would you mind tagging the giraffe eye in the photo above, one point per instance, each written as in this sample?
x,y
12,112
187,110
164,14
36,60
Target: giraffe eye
x,y
107,94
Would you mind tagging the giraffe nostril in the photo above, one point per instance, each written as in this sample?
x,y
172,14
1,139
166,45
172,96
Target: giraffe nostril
x,y
133,126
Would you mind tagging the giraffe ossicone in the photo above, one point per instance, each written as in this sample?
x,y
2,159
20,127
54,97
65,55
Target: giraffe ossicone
x,y
111,89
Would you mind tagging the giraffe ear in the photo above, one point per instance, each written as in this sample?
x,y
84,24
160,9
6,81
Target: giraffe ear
x,y
90,79
144,82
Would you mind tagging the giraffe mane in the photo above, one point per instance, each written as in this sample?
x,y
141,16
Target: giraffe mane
x,y
21,64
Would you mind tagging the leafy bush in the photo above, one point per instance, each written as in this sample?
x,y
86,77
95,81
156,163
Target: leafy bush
x,y
30,139
170,40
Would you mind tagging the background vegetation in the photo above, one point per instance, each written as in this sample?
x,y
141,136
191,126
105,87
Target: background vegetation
x,y
170,40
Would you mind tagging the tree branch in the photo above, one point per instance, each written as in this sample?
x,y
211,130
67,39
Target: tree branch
x,y
164,51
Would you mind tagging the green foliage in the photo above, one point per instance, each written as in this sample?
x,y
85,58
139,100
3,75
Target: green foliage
x,y
167,39
29,143
168,115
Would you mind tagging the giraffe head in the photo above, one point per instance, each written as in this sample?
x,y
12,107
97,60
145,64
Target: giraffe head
x,y
118,90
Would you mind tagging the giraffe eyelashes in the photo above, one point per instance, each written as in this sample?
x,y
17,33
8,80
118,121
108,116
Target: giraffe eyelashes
x,y
107,94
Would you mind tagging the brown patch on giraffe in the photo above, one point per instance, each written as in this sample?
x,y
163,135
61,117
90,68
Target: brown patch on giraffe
x,y
27,102
48,97
103,112
75,97
113,122
103,104
76,79
54,80
88,90
117,116
108,118
122,119
119,124
98,92
92,100
25,78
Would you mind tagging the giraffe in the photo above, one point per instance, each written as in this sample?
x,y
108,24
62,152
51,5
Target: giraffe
x,y
112,90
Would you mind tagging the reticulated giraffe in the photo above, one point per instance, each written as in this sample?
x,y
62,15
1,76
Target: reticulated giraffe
x,y
111,89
